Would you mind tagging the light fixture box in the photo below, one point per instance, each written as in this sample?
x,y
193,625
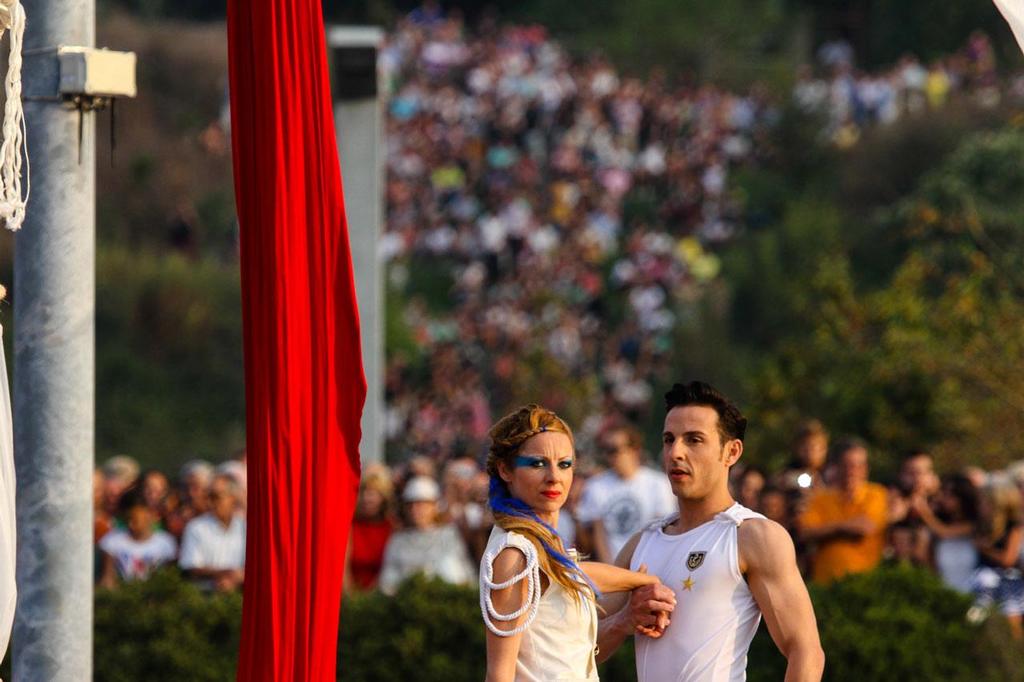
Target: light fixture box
x,y
96,72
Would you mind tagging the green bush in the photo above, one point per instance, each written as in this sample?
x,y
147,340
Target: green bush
x,y
898,624
893,624
904,624
165,629
427,631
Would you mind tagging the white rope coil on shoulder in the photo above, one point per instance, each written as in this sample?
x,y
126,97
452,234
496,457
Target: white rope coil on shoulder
x,y
15,141
533,590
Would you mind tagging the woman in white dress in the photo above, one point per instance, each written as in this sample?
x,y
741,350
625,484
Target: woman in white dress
x,y
537,600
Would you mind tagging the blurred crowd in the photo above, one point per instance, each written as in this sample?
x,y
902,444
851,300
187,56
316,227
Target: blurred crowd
x,y
551,213
966,526
418,517
509,165
143,521
852,100
565,208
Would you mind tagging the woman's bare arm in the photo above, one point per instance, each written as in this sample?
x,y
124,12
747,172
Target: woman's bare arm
x,y
608,578
503,650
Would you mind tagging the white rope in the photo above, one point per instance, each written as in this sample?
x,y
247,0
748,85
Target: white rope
x,y
533,590
15,141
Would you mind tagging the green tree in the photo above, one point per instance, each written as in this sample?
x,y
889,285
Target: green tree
x,y
928,353
169,376
735,41
883,30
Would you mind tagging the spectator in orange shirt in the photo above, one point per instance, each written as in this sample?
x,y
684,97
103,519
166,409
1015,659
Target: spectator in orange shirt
x,y
846,521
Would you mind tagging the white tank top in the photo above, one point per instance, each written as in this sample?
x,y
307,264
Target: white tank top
x,y
715,616
559,638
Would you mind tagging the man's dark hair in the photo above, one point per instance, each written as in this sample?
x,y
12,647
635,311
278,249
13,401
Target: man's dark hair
x,y
808,428
131,498
844,445
732,425
634,438
960,486
751,470
914,453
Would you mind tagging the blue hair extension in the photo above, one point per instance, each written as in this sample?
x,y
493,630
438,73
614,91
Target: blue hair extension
x,y
503,503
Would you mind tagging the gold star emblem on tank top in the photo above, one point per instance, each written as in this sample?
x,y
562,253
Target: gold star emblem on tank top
x,y
688,583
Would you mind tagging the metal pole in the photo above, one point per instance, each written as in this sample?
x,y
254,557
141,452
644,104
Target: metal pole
x,y
357,116
54,353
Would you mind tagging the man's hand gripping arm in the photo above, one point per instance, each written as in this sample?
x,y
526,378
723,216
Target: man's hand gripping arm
x,y
645,610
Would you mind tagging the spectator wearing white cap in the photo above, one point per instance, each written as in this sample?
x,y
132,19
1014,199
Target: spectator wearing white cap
x,y
119,473
424,546
192,497
235,468
459,506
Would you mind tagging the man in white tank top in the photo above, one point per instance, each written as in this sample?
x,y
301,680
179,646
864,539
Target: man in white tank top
x,y
721,565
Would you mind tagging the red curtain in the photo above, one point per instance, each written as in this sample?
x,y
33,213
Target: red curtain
x,y
303,372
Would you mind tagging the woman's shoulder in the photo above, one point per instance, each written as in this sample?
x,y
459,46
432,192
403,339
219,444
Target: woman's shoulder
x,y
501,539
508,563
507,553
509,560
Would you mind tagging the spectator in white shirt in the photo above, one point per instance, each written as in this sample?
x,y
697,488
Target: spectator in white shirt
x,y
620,501
133,553
213,545
425,545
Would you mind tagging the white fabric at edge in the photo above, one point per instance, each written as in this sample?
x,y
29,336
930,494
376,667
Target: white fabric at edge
x,y
8,588
1013,11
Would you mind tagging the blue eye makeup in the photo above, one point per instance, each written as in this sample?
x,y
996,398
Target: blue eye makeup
x,y
535,462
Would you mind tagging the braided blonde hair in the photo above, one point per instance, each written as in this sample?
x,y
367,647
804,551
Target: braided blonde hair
x,y
507,439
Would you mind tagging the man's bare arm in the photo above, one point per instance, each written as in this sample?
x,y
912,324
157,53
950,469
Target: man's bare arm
x,y
644,610
768,560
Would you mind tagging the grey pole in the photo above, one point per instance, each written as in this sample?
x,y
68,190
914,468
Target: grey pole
x,y
357,116
54,352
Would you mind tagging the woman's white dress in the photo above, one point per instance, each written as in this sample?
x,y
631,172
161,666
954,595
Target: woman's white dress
x,y
559,635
